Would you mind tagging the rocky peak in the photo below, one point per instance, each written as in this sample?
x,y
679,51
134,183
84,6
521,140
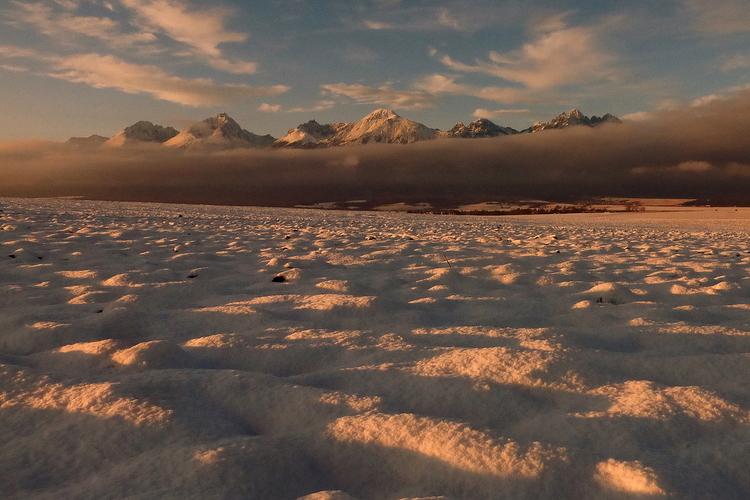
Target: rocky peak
x,y
575,117
218,132
148,132
140,132
481,127
221,124
608,118
87,142
381,114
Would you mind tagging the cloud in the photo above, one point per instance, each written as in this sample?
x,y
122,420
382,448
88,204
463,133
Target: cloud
x,y
13,52
377,25
555,58
695,166
384,96
277,108
706,99
460,15
638,116
53,23
321,106
111,72
15,69
722,17
498,113
550,23
450,20
235,67
446,84
203,30
737,61
269,108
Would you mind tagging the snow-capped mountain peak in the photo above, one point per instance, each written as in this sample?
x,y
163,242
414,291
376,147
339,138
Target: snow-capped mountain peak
x,y
385,126
139,132
218,132
575,117
481,127
381,114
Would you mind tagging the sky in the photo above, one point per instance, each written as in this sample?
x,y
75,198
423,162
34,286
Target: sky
x,y
82,67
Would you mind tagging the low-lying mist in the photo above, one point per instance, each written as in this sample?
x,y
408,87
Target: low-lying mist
x,y
693,152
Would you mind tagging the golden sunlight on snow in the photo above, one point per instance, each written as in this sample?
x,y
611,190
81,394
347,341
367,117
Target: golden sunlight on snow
x,y
154,351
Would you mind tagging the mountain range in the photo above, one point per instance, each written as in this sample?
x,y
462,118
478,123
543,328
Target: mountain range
x,y
221,132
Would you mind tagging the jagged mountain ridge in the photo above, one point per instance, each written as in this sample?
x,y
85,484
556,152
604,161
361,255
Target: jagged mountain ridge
x,y
478,129
380,126
216,133
91,141
564,120
385,126
311,134
221,132
139,132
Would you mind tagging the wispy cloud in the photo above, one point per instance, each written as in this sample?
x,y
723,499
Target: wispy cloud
x,y
110,72
61,24
719,16
384,96
13,68
446,84
202,30
559,57
278,108
269,108
737,61
14,52
137,26
499,113
459,15
377,25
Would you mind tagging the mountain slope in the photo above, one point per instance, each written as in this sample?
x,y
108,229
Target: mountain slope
x,y
385,126
380,126
216,133
575,118
311,134
221,132
479,128
140,132
91,141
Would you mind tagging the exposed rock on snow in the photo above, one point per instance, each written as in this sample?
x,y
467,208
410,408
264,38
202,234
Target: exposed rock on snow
x,y
141,132
385,126
216,133
91,141
311,134
478,129
575,117
380,126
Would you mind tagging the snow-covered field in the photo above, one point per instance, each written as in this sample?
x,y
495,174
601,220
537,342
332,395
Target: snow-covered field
x,y
147,353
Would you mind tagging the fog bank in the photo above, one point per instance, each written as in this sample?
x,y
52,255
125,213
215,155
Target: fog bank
x,y
689,152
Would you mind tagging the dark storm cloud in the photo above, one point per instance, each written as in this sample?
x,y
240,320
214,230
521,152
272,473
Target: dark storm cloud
x,y
690,152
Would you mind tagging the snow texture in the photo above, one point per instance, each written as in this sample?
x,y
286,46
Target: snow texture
x,y
147,352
